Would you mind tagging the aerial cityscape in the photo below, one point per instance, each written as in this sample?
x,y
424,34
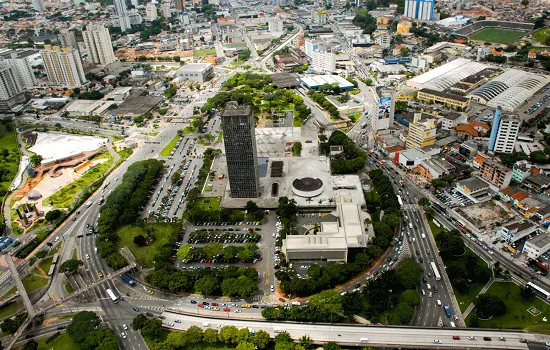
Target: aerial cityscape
x,y
274,174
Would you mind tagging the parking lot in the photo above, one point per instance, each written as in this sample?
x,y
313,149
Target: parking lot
x,y
452,198
167,200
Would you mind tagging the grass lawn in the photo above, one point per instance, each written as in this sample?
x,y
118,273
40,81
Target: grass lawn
x,y
209,203
65,196
45,264
201,346
541,35
237,63
69,288
188,130
8,310
204,52
145,255
9,293
74,254
435,230
517,315
464,300
169,147
9,157
152,134
220,137
32,282
63,342
497,35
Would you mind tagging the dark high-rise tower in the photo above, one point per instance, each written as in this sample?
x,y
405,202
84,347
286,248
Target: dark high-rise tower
x,y
240,150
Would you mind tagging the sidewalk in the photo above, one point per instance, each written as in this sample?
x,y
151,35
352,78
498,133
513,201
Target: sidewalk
x,y
483,290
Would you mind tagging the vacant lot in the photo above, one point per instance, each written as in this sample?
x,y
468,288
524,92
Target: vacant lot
x,y
497,35
146,255
484,213
204,52
517,315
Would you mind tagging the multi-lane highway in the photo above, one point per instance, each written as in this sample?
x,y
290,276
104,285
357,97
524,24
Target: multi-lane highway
x,y
407,337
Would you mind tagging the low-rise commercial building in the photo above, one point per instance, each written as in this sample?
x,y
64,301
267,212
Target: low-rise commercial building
x,y
333,241
475,189
516,231
537,183
537,246
448,99
200,72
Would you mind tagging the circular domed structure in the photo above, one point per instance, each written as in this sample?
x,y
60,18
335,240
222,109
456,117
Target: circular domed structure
x,y
33,195
307,187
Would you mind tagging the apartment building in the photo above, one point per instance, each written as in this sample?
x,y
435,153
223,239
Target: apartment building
x,y
421,132
495,173
11,90
67,39
319,16
151,11
323,61
122,12
504,132
63,66
99,45
20,61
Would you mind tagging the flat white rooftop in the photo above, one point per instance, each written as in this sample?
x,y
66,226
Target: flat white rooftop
x,y
54,147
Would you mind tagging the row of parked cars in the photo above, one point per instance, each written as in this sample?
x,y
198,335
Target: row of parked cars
x,y
201,237
249,223
452,198
538,104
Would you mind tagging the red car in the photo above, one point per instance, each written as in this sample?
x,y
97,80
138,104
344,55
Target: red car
x,y
215,304
201,306
226,309
456,337
281,299
260,258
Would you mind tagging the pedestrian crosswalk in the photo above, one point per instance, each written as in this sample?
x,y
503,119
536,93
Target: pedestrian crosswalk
x,y
257,297
152,308
410,206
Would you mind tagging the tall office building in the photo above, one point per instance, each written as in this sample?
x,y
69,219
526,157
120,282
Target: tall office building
x,y
38,5
151,11
63,66
99,45
421,132
386,109
20,62
420,9
122,12
67,39
240,150
11,91
504,132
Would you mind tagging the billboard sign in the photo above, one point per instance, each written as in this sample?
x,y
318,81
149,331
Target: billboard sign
x,y
384,107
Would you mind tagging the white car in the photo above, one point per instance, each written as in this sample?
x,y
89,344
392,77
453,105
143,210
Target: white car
x,y
123,334
87,256
125,327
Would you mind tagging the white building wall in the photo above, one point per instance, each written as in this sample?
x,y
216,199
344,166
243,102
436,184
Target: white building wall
x,y
99,45
324,61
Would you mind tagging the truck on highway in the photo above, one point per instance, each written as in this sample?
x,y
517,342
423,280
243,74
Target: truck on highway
x,y
278,329
89,204
364,124
101,200
128,280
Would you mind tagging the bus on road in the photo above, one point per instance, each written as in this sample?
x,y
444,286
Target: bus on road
x,y
112,295
436,271
399,200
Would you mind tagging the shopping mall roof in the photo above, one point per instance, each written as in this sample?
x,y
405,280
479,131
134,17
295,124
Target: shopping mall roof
x,y
447,75
315,81
510,89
